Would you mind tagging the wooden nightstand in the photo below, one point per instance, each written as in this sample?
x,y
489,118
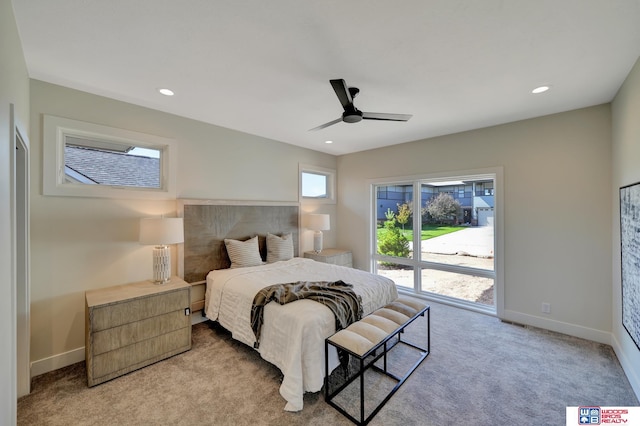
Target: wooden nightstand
x,y
133,325
332,256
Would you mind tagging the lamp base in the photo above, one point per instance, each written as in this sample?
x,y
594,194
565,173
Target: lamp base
x,y
161,264
317,242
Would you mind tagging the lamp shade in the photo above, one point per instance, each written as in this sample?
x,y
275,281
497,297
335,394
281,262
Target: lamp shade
x,y
318,222
161,231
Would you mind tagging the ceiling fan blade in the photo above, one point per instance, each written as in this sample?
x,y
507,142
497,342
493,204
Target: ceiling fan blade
x,y
322,126
342,91
385,116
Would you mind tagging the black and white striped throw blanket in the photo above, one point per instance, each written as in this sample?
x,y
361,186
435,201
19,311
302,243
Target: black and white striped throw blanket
x,y
338,296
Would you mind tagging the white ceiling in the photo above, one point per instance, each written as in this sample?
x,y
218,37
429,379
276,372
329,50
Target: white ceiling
x,y
263,67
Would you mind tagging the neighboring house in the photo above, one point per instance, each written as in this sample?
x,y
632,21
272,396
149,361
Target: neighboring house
x,y
475,198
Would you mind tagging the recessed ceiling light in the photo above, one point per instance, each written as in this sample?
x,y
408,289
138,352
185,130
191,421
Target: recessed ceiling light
x,y
166,92
328,141
540,89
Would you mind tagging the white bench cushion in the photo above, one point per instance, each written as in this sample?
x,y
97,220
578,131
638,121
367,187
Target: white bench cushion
x,y
363,335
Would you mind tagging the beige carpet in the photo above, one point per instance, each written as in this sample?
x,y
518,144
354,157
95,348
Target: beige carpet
x,y
480,371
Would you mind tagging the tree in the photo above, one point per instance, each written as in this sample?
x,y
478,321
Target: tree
x,y
392,242
404,213
391,216
443,207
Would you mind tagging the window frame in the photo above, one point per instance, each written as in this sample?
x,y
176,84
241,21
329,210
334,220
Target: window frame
x,y
55,130
330,184
497,274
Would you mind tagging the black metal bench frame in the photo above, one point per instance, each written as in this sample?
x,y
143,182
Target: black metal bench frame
x,y
386,345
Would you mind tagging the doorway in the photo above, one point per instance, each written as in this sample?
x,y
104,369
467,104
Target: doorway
x,y
20,243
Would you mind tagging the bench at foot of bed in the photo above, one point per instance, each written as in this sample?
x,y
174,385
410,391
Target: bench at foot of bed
x,y
367,341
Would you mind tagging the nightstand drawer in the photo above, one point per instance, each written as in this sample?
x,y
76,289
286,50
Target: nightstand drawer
x,y
131,311
132,357
125,335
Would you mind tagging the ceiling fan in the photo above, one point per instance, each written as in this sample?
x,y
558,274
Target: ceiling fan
x,y
352,114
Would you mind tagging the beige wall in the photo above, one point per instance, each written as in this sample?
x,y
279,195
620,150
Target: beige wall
x,y
85,243
557,210
626,170
14,89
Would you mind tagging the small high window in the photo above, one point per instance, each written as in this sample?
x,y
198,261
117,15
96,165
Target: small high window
x,y
84,159
317,184
314,185
92,162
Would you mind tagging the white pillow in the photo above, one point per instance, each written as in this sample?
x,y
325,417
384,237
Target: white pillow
x,y
243,253
279,248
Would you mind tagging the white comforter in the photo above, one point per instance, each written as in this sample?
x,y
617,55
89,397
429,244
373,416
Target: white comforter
x,y
292,336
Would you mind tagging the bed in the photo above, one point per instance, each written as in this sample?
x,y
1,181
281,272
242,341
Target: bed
x,y
292,336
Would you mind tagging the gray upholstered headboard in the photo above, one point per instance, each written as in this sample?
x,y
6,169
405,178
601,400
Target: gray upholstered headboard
x,y
208,222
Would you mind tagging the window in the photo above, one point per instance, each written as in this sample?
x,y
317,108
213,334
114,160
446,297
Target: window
x,y
314,185
484,188
317,184
89,160
456,235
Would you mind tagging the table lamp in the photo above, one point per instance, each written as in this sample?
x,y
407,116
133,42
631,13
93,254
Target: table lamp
x,y
318,223
160,232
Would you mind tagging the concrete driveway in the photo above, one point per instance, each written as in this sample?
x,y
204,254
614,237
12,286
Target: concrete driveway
x,y
473,241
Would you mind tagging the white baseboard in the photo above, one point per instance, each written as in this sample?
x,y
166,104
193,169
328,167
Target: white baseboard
x,y
559,327
632,375
55,362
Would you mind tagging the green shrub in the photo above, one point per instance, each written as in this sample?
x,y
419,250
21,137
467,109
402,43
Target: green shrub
x,y
392,241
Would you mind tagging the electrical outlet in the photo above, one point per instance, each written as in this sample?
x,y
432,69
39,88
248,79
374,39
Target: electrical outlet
x,y
546,308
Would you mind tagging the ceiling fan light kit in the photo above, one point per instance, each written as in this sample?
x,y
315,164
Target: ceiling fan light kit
x,y
352,114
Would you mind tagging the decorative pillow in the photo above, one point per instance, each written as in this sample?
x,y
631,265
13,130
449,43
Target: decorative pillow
x,y
279,248
243,253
